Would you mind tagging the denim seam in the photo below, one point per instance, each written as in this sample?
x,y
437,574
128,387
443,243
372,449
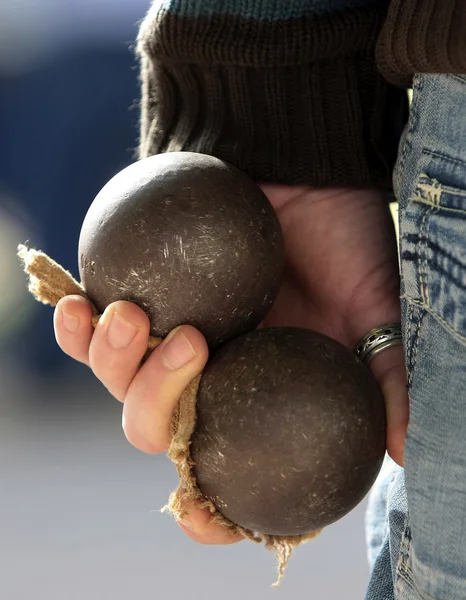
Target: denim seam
x,y
427,308
436,154
407,577
425,202
416,345
433,192
403,572
422,258
461,78
409,318
417,84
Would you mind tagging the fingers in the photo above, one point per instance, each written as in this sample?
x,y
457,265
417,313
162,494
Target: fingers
x,y
156,390
73,327
114,351
198,525
390,372
150,393
118,345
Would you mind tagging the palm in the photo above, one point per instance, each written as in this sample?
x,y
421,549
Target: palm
x,y
341,275
341,279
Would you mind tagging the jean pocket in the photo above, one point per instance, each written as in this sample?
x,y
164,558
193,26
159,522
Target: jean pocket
x,y
433,241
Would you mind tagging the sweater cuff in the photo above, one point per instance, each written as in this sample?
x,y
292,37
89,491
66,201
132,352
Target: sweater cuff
x,y
298,101
422,36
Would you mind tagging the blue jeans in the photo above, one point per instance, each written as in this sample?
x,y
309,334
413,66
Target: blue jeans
x,y
416,520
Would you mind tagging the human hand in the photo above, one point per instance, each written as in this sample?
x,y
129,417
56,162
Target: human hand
x,y
150,392
341,279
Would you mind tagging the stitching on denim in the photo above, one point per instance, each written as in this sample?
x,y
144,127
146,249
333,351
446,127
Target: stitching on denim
x,y
420,261
461,78
461,338
409,343
407,576
416,344
403,572
434,192
422,256
442,207
412,123
424,594
437,154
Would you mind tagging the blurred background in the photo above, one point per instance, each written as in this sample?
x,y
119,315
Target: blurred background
x,y
79,507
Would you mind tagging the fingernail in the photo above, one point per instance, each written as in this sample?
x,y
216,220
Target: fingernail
x,y
70,322
177,351
185,524
120,332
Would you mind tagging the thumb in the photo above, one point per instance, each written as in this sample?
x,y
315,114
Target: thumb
x,y
157,388
389,369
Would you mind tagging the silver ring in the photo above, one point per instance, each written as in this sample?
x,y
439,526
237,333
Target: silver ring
x,y
378,340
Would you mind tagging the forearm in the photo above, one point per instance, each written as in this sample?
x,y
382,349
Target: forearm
x,y
422,36
287,98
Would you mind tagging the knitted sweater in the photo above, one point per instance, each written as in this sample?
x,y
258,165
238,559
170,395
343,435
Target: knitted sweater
x,y
287,90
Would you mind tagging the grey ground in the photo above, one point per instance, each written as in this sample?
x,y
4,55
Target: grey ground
x,y
79,516
79,507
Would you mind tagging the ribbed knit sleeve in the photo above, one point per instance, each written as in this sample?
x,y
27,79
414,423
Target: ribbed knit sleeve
x,y
422,36
286,91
